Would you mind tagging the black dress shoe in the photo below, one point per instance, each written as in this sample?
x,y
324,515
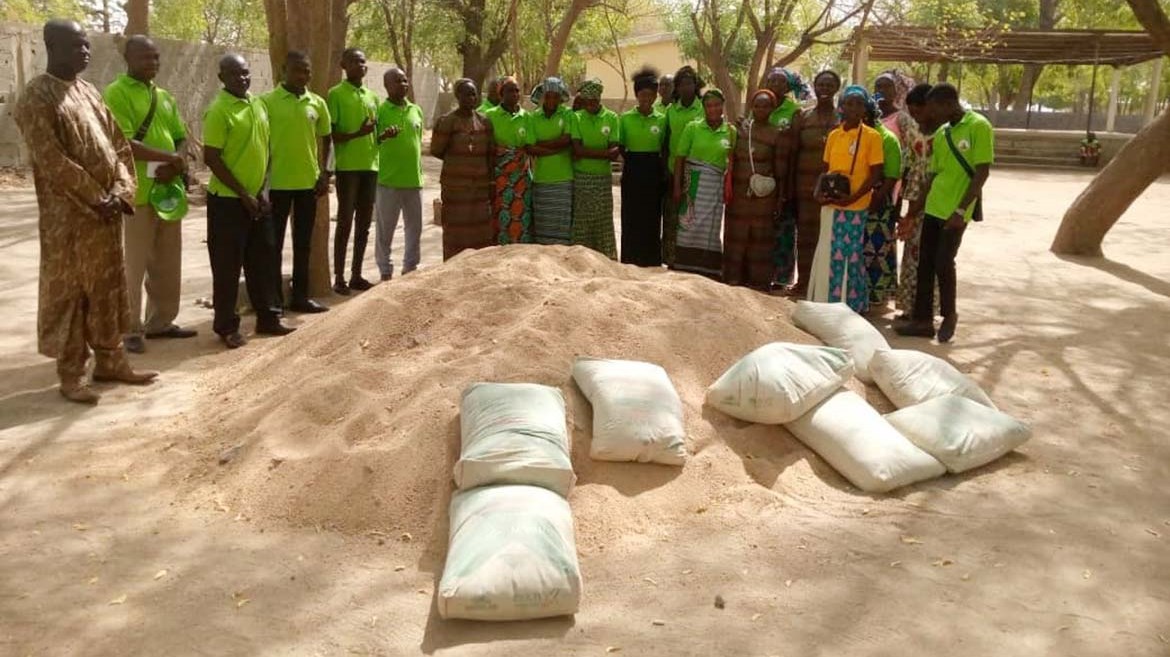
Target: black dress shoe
x,y
134,344
946,330
339,287
172,331
273,327
360,284
307,306
233,340
915,329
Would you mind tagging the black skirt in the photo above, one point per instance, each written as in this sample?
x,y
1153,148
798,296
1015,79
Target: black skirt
x,y
642,190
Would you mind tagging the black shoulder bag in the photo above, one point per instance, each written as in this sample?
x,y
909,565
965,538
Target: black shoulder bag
x,y
837,185
145,127
977,215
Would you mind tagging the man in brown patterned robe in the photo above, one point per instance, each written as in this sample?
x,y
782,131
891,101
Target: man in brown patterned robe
x,y
84,174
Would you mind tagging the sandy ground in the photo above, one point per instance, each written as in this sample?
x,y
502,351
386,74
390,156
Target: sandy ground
x,y
1060,548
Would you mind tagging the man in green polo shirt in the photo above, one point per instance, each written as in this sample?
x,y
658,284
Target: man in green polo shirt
x,y
239,216
353,108
300,127
962,153
400,176
665,93
149,117
491,96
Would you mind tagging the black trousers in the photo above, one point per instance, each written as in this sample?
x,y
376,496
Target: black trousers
x,y
303,205
235,240
355,209
938,249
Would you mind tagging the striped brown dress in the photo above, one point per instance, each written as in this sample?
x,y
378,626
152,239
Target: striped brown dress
x,y
466,181
811,130
749,232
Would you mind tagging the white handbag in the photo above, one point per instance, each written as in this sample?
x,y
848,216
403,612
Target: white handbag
x,y
758,186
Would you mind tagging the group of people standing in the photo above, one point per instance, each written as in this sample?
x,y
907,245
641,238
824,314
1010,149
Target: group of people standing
x,y
804,200
810,201
100,159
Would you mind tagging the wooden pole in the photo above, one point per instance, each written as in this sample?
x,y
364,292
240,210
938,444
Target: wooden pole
x,y
1114,91
1155,90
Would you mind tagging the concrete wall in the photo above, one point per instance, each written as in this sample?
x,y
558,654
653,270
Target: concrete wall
x,y
188,71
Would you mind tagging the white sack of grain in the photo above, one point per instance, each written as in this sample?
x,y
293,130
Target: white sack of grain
x,y
961,433
637,414
838,326
780,382
514,433
911,377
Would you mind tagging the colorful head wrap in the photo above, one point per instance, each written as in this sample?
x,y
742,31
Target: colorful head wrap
x,y
796,84
858,91
590,89
550,85
902,84
766,92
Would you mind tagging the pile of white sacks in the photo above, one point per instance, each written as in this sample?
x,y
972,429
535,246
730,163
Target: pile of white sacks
x,y
945,422
511,552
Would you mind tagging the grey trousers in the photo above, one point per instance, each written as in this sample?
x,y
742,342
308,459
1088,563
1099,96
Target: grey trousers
x,y
391,202
154,255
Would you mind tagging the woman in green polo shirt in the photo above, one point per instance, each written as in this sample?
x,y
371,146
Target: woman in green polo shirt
x,y
512,188
790,91
552,163
703,158
596,136
686,108
642,131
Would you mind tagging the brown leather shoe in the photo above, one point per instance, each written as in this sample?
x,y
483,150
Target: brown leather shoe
x,y
125,374
80,393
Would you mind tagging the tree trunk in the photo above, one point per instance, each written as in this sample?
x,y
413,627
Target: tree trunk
x,y
276,15
561,38
1140,162
318,27
137,17
1027,86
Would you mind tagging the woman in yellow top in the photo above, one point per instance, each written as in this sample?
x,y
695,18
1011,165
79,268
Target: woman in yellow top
x,y
854,157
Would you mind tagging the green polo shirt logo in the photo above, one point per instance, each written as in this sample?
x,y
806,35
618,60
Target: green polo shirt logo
x,y
349,107
400,157
239,128
129,102
975,140
596,131
298,123
558,168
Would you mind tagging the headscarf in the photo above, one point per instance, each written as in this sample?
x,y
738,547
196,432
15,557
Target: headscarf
x,y
590,89
714,92
796,84
766,92
550,85
858,91
902,85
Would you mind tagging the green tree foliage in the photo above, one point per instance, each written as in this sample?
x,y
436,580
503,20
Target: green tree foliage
x,y
238,23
